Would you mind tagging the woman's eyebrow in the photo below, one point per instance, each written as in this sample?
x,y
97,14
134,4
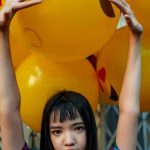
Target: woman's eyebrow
x,y
55,127
78,123
59,127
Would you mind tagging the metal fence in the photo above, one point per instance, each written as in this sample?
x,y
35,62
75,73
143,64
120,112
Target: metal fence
x,y
109,123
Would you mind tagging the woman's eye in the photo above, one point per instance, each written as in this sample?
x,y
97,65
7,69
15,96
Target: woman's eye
x,y
79,129
56,132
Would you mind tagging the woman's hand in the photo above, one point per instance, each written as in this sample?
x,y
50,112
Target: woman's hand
x,y
133,24
10,8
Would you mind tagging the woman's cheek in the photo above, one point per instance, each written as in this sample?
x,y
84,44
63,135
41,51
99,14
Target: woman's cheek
x,y
56,141
81,140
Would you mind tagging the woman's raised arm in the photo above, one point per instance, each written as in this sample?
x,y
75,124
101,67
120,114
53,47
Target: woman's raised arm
x,y
130,93
10,120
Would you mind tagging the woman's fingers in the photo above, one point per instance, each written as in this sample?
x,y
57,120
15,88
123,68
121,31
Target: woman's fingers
x,y
121,5
131,20
11,6
25,4
128,19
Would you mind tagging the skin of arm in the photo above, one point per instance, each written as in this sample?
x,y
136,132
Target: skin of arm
x,y
10,120
129,98
126,136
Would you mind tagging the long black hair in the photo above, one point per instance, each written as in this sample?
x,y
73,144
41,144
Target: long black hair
x,y
68,104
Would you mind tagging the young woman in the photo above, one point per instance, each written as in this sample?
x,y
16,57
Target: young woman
x,y
68,125
69,122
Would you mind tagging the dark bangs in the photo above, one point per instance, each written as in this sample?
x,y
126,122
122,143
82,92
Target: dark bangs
x,y
63,111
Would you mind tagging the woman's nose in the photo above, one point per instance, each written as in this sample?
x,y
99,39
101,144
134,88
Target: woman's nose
x,y
69,139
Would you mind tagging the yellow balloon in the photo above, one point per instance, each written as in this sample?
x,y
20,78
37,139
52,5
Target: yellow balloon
x,y
66,30
142,12
39,79
111,67
141,9
18,51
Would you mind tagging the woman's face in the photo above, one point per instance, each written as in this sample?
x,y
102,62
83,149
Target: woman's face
x,y
68,135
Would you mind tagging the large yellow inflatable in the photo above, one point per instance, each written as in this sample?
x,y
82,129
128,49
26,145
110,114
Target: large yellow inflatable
x,y
141,8
111,67
39,79
18,52
66,30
